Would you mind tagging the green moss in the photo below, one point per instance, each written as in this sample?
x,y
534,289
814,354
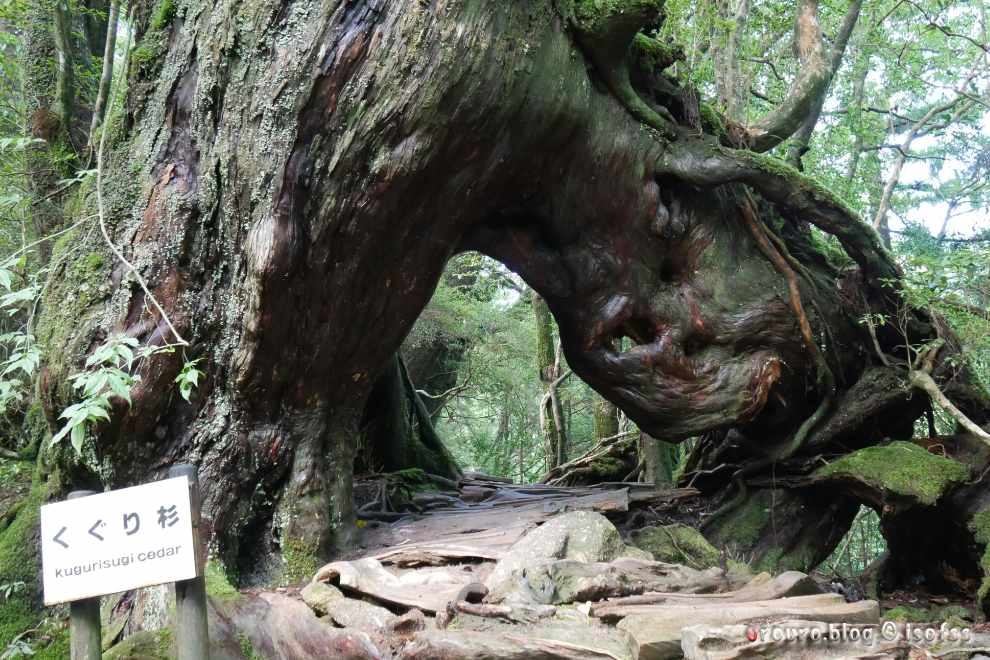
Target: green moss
x,y
953,613
164,14
777,560
35,431
72,298
980,524
678,544
712,120
901,468
144,54
301,562
247,649
217,584
770,561
743,526
591,12
93,260
907,614
19,563
143,645
653,55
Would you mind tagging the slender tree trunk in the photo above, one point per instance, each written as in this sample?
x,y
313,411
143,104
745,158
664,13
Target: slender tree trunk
x,y
606,419
103,90
548,365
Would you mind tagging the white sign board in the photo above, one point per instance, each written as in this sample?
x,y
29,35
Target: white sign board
x,y
115,541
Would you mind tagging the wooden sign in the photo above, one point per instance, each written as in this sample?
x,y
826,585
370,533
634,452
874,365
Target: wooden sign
x,y
115,541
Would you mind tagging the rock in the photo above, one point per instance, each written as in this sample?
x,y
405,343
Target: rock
x,y
583,536
359,615
569,581
677,544
143,645
707,642
319,595
656,634
407,625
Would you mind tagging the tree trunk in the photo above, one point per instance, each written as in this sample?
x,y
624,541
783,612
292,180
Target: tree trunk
x,y
606,420
397,432
659,460
291,179
548,366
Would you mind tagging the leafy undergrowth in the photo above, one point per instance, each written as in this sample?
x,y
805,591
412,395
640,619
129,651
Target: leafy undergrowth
x,y
26,629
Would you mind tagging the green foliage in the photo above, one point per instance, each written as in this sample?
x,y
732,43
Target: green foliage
x,y
164,14
188,378
23,626
861,546
217,584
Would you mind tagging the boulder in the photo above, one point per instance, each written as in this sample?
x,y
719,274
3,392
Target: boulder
x,y
581,536
568,581
359,615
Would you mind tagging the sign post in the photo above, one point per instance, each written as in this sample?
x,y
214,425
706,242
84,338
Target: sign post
x,y
84,617
192,639
96,544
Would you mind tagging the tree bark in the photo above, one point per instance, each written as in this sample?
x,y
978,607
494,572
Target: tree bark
x,y
548,366
291,179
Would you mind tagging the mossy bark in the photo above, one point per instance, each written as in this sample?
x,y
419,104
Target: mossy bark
x,y
290,180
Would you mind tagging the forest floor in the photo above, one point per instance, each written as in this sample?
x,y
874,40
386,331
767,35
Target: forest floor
x,y
490,570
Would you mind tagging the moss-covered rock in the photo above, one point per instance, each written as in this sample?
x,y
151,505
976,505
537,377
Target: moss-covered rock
x,y
980,525
319,595
677,544
144,645
908,614
900,468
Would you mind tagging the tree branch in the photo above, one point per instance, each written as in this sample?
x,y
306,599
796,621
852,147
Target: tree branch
x,y
817,68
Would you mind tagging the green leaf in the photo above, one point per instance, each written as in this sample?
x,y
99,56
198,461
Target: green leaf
x,y
77,437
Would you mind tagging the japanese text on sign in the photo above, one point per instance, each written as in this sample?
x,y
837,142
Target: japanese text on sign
x,y
115,541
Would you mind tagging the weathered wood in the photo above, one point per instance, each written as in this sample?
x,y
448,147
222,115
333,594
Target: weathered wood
x,y
708,642
451,645
84,617
84,629
655,630
192,637
427,589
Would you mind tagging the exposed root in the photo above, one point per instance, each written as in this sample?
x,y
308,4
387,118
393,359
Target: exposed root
x,y
825,375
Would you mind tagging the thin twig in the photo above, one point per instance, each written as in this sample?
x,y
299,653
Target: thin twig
x,y
103,226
